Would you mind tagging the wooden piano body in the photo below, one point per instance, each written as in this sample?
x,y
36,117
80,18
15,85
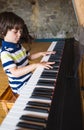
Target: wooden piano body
x,y
65,110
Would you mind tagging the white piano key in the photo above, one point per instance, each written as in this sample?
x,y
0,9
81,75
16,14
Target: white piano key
x,y
25,97
14,116
28,88
17,111
24,100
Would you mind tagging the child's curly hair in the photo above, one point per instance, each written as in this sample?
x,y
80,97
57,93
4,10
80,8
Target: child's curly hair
x,y
8,21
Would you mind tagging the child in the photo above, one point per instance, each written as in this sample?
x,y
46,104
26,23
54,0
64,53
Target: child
x,y
14,57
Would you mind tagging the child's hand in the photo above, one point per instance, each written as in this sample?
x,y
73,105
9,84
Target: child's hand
x,y
48,53
46,65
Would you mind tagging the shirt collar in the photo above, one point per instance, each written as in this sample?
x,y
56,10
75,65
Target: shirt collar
x,y
10,45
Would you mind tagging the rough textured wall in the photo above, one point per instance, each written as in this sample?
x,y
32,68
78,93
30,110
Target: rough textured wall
x,y
44,18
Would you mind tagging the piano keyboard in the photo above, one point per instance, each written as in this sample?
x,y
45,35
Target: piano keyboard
x,y
31,109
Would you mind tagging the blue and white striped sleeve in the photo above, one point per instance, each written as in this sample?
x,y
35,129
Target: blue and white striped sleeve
x,y
7,60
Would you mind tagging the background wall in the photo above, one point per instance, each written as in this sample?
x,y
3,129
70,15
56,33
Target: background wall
x,y
44,18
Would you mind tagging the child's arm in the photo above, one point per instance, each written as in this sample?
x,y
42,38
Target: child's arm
x,y
26,69
39,54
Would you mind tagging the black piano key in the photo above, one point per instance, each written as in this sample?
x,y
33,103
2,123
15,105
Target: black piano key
x,y
42,92
56,64
48,73
56,61
48,76
42,110
56,55
43,89
54,68
40,97
44,95
46,82
60,43
51,75
42,104
34,119
58,49
30,126
55,58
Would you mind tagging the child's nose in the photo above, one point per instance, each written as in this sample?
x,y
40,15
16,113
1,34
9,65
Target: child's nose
x,y
19,33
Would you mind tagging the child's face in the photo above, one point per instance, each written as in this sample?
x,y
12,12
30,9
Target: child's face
x,y
13,35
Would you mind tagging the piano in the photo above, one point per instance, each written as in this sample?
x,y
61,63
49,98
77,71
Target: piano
x,y
51,99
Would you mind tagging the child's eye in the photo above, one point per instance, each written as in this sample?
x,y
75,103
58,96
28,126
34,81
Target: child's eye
x,y
21,31
14,31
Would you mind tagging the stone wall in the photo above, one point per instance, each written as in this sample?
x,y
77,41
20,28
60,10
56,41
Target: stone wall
x,y
44,18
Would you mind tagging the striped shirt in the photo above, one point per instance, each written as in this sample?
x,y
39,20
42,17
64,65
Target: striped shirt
x,y
13,55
